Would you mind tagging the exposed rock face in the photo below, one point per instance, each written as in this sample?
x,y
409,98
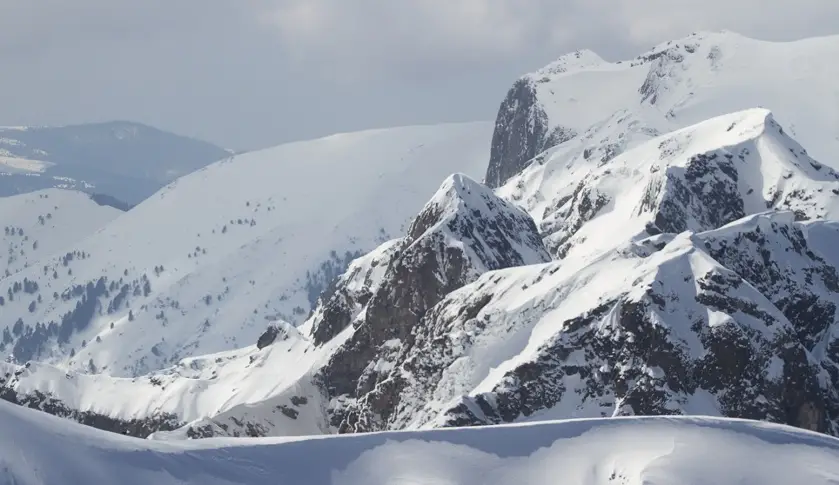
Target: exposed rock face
x,y
685,335
353,291
268,336
708,323
461,233
521,133
690,185
276,331
520,126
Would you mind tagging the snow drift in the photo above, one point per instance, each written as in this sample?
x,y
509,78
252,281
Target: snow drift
x,y
42,450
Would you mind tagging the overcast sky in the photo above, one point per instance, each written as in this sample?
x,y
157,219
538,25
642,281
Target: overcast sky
x,y
254,73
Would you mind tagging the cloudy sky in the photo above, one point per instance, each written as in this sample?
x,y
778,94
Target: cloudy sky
x,y
254,73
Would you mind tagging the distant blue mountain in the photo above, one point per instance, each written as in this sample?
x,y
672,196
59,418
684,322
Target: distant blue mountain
x,y
124,160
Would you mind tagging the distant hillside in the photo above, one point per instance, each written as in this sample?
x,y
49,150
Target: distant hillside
x,y
126,160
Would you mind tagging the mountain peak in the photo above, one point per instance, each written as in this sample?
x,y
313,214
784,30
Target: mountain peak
x,y
457,188
685,280
696,178
461,185
462,207
455,193
577,60
674,85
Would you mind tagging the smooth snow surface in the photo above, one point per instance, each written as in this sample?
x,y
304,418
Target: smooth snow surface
x,y
44,222
37,449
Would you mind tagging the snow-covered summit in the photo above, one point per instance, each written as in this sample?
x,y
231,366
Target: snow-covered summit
x,y
362,327
688,324
466,211
696,178
311,380
675,85
571,62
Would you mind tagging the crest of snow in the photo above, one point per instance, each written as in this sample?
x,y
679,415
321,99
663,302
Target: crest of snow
x,y
525,308
574,61
652,451
461,196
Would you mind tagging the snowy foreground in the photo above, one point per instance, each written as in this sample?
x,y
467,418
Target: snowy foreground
x,y
41,449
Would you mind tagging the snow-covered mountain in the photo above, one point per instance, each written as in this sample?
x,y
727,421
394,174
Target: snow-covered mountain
x,y
696,178
40,449
683,295
669,250
461,233
647,317
38,224
649,311
206,263
676,84
125,160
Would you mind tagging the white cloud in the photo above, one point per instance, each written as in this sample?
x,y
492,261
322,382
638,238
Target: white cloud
x,y
651,21
383,35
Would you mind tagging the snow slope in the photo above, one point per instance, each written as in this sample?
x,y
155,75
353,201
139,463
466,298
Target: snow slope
x,y
42,450
696,178
676,84
38,224
207,262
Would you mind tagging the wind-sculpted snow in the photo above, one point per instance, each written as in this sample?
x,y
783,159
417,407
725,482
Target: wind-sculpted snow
x,y
203,386
39,449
